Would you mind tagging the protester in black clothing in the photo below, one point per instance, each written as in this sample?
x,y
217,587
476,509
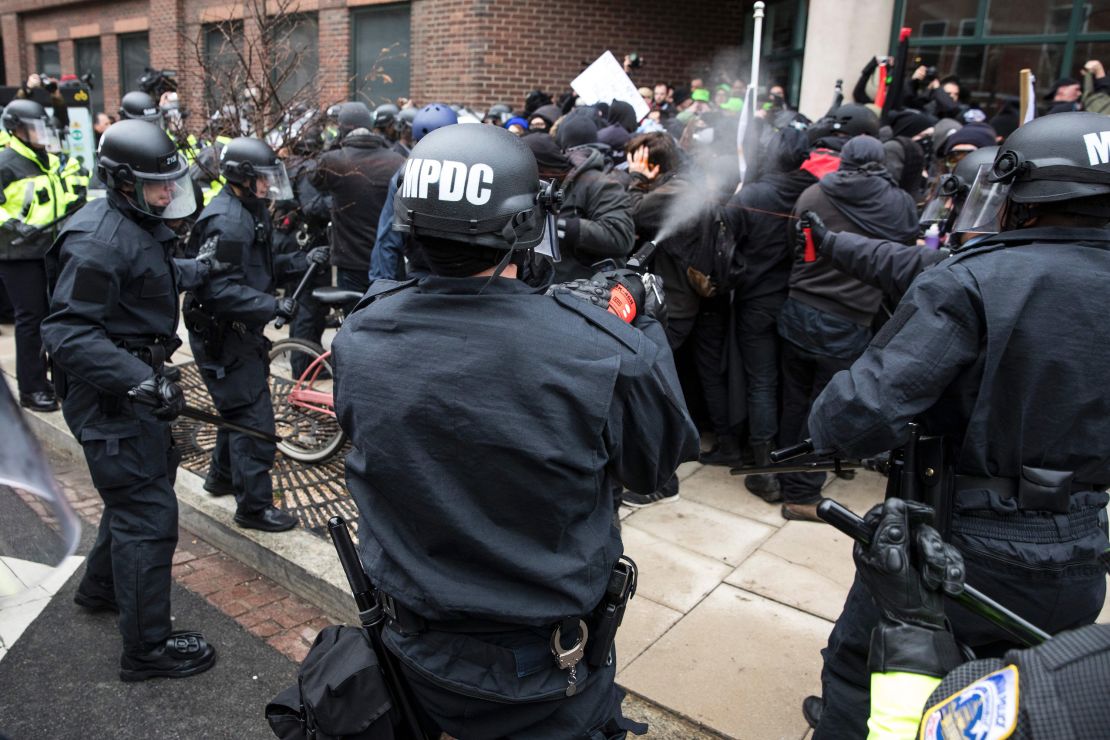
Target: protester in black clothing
x,y
356,175
594,222
826,321
669,208
759,216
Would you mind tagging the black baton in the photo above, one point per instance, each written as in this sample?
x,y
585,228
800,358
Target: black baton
x,y
308,274
373,618
848,522
192,412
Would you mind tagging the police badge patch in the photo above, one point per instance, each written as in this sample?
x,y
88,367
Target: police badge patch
x,y
985,710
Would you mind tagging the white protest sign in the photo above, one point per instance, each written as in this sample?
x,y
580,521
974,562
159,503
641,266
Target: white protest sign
x,y
605,81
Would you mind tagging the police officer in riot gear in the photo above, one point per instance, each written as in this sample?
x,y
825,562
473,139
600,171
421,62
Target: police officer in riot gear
x,y
33,198
112,325
486,512
1003,350
226,319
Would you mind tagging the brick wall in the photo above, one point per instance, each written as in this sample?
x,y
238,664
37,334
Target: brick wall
x,y
486,51
476,52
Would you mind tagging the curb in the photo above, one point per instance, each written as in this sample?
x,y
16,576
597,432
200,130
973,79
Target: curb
x,y
302,563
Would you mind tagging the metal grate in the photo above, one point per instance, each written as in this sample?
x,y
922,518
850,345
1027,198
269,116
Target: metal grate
x,y
315,493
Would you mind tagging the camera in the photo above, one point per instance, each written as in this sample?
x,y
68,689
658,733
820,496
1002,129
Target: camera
x,y
50,84
154,82
635,61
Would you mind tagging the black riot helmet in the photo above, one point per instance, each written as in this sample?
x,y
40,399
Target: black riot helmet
x,y
951,190
385,116
1062,159
255,167
29,121
140,161
848,120
475,185
138,105
349,116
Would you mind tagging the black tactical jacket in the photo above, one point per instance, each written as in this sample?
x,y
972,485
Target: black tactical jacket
x,y
1003,347
489,431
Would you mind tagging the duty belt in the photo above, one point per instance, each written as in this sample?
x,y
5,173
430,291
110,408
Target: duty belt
x,y
1030,495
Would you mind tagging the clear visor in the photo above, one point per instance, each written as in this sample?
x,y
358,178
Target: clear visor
x,y
39,134
166,199
982,211
272,182
38,530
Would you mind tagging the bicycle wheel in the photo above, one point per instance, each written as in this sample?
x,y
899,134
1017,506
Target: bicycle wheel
x,y
301,387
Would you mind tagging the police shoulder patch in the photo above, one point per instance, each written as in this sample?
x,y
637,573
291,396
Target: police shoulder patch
x,y
984,710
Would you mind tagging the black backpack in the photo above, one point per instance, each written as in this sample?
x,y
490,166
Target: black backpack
x,y
340,692
718,267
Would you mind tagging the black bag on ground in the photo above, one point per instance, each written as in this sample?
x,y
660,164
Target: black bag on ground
x,y
340,692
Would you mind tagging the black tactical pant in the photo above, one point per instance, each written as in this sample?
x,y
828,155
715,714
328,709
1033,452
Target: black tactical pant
x,y
25,283
804,376
1056,586
133,464
239,386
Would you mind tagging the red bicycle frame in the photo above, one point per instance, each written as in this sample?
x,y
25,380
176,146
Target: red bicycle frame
x,y
303,396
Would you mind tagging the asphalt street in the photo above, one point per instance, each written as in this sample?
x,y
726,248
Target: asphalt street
x,y
61,678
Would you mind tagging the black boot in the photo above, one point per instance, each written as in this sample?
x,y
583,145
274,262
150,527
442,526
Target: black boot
x,y
183,654
764,485
217,485
270,519
39,401
725,452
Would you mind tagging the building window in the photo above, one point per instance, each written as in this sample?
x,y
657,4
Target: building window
x,y
47,60
784,41
986,43
295,57
380,58
86,57
223,74
134,59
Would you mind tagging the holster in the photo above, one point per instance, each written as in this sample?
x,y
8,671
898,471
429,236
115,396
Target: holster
x,y
204,325
922,471
608,615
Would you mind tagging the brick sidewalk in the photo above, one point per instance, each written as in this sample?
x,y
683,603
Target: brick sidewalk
x,y
261,606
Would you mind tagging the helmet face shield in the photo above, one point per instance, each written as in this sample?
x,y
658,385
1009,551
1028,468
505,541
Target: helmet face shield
x,y
272,182
39,134
982,211
169,199
942,203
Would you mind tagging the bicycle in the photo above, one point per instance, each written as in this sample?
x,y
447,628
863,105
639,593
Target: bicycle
x,y
302,385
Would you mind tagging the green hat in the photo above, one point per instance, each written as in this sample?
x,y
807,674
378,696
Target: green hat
x,y
701,95
725,87
733,104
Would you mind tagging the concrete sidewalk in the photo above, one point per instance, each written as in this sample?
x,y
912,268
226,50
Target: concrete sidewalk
x,y
733,607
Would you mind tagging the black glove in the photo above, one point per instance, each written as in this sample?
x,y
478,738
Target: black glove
x,y
164,396
907,568
568,229
809,220
207,256
286,308
318,256
18,228
593,290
